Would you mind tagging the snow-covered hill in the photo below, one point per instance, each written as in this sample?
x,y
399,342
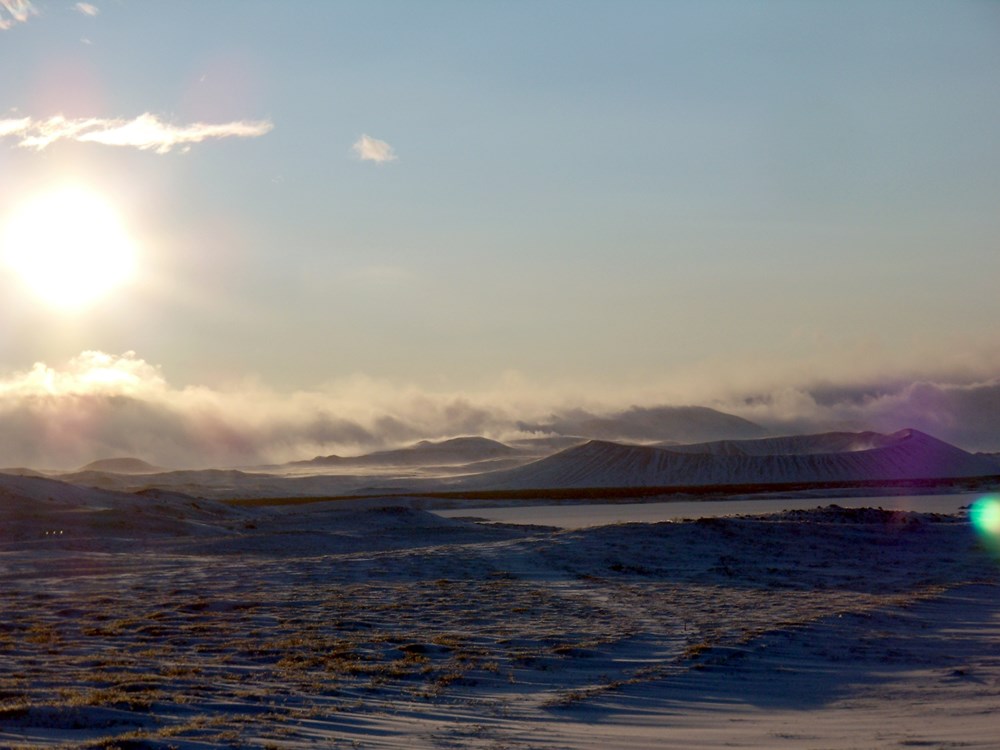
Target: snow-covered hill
x,y
459,450
792,445
36,508
127,465
677,423
908,454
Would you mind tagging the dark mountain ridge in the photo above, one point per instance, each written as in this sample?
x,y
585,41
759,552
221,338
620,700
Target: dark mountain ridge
x,y
460,450
904,455
126,465
685,424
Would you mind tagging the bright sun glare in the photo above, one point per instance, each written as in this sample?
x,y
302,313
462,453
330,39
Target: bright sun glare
x,y
69,246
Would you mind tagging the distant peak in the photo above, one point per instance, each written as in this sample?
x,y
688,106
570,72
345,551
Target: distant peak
x,y
471,441
908,433
126,465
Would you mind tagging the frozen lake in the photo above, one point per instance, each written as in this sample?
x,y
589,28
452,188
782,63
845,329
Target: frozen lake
x,y
571,516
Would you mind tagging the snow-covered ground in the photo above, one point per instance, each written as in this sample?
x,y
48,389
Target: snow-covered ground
x,y
163,621
578,515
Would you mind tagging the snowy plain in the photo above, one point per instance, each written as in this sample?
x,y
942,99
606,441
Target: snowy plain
x,y
584,515
163,621
155,619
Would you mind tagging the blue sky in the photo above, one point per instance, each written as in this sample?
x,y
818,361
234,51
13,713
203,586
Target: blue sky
x,y
637,201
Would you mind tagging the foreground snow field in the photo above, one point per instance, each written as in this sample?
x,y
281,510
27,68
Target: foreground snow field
x,y
162,621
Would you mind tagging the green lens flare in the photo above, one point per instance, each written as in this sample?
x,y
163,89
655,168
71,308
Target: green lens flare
x,y
985,517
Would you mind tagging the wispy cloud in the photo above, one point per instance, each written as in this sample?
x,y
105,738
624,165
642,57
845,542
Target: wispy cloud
x,y
145,132
15,11
87,9
13,127
372,149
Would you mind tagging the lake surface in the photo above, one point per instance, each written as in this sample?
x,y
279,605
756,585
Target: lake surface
x,y
568,516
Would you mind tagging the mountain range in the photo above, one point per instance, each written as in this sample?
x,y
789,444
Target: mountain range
x,y
480,464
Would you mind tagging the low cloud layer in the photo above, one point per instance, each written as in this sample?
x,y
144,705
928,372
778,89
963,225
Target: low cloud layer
x,y
966,414
681,424
15,11
372,149
146,132
102,406
99,405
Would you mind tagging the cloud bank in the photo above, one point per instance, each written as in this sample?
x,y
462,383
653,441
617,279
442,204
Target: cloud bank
x,y
966,414
100,405
372,149
15,11
683,424
146,132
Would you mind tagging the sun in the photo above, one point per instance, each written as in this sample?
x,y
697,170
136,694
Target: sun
x,y
69,246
